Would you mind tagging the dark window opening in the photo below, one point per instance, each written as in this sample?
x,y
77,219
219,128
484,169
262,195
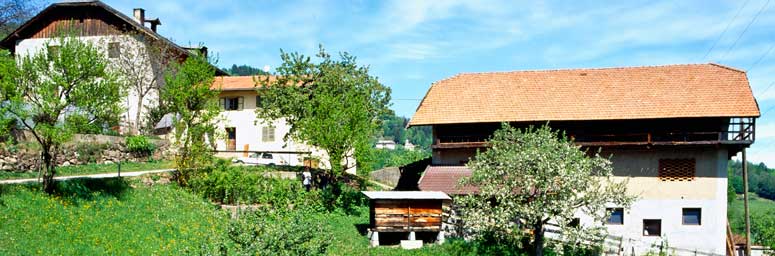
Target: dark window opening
x,y
575,223
233,103
652,227
692,216
114,50
231,138
267,156
616,216
258,101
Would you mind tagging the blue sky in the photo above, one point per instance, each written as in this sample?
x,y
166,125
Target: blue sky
x,y
411,44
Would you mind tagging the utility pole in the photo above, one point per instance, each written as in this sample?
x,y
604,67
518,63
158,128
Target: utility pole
x,y
745,201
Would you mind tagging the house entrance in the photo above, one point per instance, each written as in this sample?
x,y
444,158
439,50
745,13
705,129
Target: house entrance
x,y
231,138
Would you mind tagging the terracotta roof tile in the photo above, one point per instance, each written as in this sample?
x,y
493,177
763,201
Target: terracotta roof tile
x,y
234,83
446,179
673,91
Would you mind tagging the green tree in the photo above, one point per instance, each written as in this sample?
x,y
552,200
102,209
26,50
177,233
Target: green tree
x,y
244,70
51,93
187,93
334,105
535,176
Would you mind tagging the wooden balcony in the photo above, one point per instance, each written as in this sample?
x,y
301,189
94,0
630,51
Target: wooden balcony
x,y
741,132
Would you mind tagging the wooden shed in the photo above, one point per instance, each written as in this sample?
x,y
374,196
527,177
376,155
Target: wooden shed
x,y
405,212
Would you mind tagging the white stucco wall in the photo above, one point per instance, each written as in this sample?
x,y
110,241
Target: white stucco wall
x,y
249,130
29,46
665,200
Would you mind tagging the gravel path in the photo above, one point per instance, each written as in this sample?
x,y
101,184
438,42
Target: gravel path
x,y
92,176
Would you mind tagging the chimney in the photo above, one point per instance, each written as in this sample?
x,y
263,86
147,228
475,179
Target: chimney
x,y
154,23
140,15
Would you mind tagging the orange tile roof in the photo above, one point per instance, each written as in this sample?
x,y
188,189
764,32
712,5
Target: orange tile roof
x,y
236,83
673,91
446,179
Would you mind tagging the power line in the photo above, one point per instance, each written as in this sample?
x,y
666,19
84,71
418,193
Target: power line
x,y
725,29
768,88
746,28
760,58
409,99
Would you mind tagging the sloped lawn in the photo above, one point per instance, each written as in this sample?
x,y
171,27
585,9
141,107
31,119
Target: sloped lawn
x,y
106,217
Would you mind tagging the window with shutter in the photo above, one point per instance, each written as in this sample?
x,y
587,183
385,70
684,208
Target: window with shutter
x,y
258,101
234,103
240,103
267,134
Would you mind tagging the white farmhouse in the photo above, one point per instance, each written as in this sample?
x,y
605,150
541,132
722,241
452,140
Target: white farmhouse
x,y
126,42
245,135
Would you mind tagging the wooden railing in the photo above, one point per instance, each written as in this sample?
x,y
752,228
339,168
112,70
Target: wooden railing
x,y
739,131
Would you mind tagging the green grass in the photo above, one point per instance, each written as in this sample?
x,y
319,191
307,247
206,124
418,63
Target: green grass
x,y
92,169
756,205
106,217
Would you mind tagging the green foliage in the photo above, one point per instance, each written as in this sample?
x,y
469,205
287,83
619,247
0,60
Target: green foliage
x,y
395,127
395,158
53,93
90,152
334,105
244,70
107,217
187,92
233,185
537,175
762,219
277,231
140,145
343,198
761,179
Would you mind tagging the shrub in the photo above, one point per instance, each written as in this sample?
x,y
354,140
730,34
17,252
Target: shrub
x,y
90,152
231,185
279,232
343,197
140,145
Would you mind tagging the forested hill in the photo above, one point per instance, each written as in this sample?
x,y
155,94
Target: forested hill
x,y
244,70
394,127
761,179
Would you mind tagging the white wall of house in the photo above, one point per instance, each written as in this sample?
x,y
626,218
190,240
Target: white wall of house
x,y
29,46
250,134
665,200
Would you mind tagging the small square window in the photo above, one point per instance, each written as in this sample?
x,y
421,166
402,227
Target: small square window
x,y
652,227
575,223
114,50
692,216
616,216
53,50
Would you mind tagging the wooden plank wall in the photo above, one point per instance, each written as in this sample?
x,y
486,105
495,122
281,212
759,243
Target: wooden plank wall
x,y
406,215
85,22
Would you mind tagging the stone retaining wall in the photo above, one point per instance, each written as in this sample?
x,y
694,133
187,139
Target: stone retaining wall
x,y
88,148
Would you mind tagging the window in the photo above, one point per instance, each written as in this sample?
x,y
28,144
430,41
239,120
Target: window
x,y
652,227
267,134
676,169
692,216
232,103
574,223
267,156
258,101
616,216
114,50
53,50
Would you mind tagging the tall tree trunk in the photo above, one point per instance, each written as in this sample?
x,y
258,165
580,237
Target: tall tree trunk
x,y
538,242
48,173
140,97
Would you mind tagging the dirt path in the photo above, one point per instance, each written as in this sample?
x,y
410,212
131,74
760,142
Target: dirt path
x,y
92,176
